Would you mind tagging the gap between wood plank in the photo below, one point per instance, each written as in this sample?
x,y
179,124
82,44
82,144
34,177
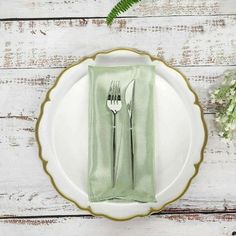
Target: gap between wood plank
x,y
103,17
91,216
47,68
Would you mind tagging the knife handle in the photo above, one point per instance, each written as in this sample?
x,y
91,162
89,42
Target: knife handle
x,y
132,151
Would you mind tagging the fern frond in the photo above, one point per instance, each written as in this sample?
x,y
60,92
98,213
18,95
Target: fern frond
x,y
119,8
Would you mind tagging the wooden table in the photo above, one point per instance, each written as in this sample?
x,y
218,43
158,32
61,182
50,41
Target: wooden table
x,y
39,38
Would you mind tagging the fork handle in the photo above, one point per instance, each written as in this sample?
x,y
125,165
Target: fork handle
x,y
114,150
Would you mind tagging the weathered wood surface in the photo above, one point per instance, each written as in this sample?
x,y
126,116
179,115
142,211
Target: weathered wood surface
x,y
33,85
182,41
164,225
25,190
198,37
81,8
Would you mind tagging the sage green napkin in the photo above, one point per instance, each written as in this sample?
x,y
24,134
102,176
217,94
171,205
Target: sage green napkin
x,y
100,135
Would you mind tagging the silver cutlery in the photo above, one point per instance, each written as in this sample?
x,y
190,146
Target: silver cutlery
x,y
114,104
129,99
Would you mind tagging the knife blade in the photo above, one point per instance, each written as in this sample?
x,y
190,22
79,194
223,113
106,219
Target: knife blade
x,y
129,97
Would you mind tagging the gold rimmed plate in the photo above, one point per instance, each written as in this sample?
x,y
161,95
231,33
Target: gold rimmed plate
x,y
62,134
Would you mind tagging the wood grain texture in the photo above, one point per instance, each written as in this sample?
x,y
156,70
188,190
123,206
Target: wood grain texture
x,y
22,90
28,191
164,225
81,8
181,41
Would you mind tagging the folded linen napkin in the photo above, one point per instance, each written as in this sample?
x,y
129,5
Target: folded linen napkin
x,y
100,135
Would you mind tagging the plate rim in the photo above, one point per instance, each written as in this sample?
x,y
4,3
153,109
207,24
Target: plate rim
x,y
93,57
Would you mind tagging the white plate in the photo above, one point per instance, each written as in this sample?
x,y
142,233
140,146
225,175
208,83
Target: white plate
x,y
62,134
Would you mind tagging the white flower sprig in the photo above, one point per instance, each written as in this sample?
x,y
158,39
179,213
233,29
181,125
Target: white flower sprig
x,y
225,99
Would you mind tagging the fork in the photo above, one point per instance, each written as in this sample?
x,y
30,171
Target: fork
x,y
114,104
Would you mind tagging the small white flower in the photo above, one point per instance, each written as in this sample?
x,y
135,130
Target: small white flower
x,y
221,134
232,91
230,108
227,128
213,95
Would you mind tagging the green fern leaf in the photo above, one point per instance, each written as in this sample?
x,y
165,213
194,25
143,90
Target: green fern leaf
x,y
119,8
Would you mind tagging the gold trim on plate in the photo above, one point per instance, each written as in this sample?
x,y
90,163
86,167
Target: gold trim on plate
x,y
44,162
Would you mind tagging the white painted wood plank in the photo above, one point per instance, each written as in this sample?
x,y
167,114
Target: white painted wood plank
x,y
22,90
81,8
164,225
181,41
26,191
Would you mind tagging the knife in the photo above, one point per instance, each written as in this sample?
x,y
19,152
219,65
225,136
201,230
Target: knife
x,y
129,99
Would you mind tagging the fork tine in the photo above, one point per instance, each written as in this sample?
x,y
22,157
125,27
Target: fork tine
x,y
114,92
118,90
110,91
